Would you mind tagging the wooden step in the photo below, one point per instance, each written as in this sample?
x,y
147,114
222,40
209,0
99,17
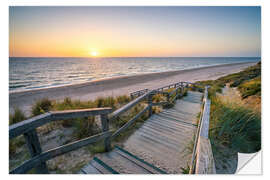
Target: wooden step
x,y
121,164
140,162
97,166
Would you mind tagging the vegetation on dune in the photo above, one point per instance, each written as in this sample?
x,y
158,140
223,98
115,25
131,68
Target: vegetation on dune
x,y
251,87
248,82
16,143
235,124
41,106
18,116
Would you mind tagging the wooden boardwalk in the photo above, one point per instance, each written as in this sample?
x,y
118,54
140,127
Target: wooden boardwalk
x,y
161,145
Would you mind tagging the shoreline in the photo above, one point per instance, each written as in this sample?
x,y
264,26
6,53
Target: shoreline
x,y
124,76
120,85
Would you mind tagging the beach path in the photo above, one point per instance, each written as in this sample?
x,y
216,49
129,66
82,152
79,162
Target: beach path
x,y
161,145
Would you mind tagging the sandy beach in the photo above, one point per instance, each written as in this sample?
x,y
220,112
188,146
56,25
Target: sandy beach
x,y
120,85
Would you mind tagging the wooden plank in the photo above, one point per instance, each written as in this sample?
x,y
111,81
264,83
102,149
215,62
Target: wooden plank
x,y
126,107
125,126
89,169
37,121
150,101
140,162
103,167
205,119
35,161
105,128
34,148
136,93
205,161
81,172
100,167
192,163
69,114
28,125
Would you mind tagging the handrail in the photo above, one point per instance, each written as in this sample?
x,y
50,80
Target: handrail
x,y
174,85
202,146
129,105
44,156
37,121
192,164
28,129
125,126
39,158
138,93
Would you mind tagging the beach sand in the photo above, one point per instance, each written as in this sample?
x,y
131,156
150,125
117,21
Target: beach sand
x,y
120,85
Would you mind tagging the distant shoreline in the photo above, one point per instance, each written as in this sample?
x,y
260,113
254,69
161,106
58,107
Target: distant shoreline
x,y
123,76
121,85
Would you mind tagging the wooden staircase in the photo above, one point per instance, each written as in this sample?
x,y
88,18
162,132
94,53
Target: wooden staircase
x,y
159,146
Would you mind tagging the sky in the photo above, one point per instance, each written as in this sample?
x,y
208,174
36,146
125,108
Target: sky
x,y
134,31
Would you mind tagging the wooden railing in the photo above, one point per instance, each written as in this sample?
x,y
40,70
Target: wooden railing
x,y
202,161
39,158
138,93
28,127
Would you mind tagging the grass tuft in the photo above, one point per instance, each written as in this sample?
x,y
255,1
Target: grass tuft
x,y
235,126
41,106
18,116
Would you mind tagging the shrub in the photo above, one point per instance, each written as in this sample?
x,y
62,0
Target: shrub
x,y
84,127
158,98
98,147
15,143
105,102
123,99
236,80
185,170
251,87
41,106
235,126
18,116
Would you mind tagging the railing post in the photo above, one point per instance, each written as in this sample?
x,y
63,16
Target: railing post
x,y
33,145
105,127
177,93
150,102
182,89
168,97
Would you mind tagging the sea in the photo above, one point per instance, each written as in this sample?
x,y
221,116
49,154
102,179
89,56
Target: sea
x,y
28,73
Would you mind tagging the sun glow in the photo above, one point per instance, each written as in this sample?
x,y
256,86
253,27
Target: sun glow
x,y
94,53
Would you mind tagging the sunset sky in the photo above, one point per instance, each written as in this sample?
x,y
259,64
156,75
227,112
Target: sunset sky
x,y
134,31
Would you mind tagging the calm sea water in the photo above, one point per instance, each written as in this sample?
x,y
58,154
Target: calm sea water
x,y
35,73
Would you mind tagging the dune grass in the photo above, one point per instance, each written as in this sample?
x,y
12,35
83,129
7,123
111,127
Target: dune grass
x,y
248,82
235,126
235,123
251,87
16,117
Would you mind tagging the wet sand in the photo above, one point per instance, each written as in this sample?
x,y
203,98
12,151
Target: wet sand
x,y
120,85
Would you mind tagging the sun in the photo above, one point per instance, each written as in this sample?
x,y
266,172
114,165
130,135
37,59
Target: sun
x,y
94,53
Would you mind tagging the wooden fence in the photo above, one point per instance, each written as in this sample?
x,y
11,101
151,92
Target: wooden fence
x,y
28,127
202,161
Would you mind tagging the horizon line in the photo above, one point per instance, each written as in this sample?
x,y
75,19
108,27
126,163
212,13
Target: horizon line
x,y
133,57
